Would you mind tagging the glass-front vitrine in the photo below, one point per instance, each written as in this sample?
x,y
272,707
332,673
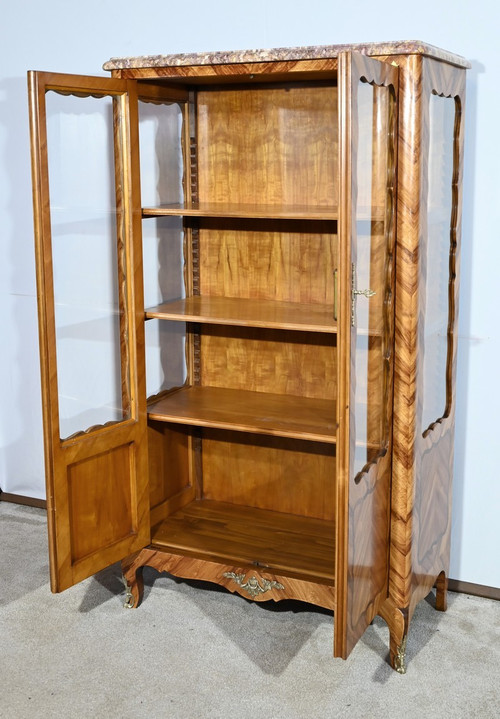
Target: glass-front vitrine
x,y
216,254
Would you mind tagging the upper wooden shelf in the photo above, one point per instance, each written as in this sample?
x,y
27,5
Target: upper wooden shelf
x,y
244,411
248,313
240,210
258,211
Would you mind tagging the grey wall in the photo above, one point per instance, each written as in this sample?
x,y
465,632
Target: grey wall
x,y
61,36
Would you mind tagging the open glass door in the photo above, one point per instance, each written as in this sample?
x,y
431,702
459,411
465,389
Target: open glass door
x,y
90,290
368,104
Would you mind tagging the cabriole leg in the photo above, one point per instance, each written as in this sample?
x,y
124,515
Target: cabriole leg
x,y
397,621
134,584
442,592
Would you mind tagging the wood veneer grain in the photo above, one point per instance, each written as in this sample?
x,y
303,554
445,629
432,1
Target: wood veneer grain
x,y
282,585
275,473
279,362
277,260
422,462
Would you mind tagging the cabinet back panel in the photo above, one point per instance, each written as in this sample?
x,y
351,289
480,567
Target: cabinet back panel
x,y
276,361
290,261
270,145
284,475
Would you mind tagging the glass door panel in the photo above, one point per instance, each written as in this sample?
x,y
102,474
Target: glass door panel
x,y
367,107
439,265
164,181
88,263
89,278
161,128
371,272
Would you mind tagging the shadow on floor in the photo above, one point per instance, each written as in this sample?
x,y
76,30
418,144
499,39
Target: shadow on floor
x,y
262,630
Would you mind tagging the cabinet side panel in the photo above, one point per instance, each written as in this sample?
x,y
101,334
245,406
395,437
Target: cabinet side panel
x,y
443,133
170,468
423,455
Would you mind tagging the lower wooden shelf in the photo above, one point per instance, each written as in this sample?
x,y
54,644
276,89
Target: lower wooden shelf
x,y
223,532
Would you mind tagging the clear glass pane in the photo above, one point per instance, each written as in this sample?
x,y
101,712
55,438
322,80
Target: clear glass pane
x,y
437,262
92,374
162,166
371,279
162,173
163,281
163,260
165,355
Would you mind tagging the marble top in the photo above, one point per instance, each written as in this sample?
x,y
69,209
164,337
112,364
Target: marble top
x,y
313,52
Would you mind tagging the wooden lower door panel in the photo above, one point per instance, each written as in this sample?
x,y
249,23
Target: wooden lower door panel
x,y
101,512
102,507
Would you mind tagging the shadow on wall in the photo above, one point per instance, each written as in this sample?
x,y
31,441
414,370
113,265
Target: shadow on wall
x,y
21,444
465,339
80,141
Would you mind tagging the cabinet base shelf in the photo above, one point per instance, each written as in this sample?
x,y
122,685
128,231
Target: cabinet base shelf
x,y
266,540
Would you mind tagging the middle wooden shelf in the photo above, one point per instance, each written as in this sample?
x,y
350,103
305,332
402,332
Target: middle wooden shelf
x,y
243,210
240,312
246,411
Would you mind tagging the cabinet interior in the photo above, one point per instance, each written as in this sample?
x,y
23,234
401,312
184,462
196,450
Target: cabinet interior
x,y
240,246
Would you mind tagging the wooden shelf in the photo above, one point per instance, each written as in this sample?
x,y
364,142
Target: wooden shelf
x,y
222,209
245,535
244,411
248,313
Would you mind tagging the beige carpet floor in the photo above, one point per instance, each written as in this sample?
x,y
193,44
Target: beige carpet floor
x,y
196,651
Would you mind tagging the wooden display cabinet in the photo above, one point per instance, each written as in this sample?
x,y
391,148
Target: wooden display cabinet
x,y
289,280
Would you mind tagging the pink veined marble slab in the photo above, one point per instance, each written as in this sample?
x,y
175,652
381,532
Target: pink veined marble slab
x,y
313,52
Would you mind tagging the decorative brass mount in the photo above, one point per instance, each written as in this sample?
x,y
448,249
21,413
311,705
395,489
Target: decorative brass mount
x,y
399,659
252,585
355,292
129,597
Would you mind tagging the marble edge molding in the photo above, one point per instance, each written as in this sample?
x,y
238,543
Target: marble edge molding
x,y
312,52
